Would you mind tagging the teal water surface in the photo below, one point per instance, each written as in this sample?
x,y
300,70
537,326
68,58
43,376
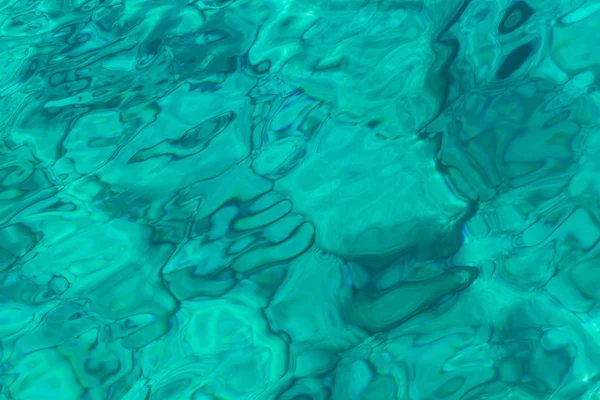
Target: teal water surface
x,y
299,200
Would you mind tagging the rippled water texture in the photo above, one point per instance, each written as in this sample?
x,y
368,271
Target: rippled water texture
x,y
299,200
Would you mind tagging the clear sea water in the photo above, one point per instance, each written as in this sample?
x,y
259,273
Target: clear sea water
x,y
299,200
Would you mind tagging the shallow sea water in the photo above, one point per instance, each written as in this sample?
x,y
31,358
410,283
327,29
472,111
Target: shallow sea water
x,y
299,200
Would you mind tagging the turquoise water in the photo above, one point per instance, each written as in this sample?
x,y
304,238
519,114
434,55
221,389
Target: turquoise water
x,y
299,200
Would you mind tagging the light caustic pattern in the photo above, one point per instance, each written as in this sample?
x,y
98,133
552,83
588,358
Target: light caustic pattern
x,y
299,200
